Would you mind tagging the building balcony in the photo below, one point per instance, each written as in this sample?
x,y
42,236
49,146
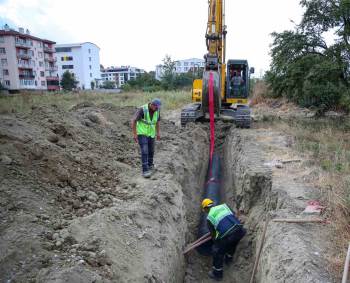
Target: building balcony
x,y
48,49
51,68
22,44
52,78
26,65
24,55
26,76
50,59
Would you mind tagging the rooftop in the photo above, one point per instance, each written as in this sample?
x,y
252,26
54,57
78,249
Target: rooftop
x,y
75,44
12,32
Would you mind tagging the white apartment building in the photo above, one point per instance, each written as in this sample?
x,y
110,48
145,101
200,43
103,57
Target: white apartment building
x,y
182,66
120,75
26,61
82,60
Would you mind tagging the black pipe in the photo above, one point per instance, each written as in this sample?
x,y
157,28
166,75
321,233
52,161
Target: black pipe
x,y
212,191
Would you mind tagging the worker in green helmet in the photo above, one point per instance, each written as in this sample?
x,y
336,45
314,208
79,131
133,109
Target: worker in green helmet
x,y
145,127
226,231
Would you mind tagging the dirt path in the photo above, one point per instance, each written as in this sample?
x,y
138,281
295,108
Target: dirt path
x,y
74,208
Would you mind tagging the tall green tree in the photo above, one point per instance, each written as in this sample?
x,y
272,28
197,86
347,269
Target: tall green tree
x,y
168,75
68,81
304,67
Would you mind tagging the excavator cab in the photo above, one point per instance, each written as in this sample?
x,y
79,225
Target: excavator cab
x,y
237,81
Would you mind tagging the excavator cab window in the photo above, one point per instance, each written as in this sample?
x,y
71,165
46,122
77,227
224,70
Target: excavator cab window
x,y
237,81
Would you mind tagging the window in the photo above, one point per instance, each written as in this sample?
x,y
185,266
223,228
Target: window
x,y
90,67
90,59
40,54
42,74
63,49
40,44
65,67
8,83
90,75
67,58
4,62
185,63
2,39
41,64
89,50
2,50
43,83
5,72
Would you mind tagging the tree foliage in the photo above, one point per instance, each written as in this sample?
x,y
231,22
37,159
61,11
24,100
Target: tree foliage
x,y
144,82
304,67
68,81
170,80
108,85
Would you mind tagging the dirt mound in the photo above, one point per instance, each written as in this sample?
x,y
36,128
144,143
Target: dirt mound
x,y
74,207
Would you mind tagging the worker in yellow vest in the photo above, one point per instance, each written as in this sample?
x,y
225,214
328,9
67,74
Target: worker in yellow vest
x,y
226,231
145,127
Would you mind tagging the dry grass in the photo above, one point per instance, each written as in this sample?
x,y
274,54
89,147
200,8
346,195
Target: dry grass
x,y
327,143
24,102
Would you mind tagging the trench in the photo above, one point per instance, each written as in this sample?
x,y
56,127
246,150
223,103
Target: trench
x,y
245,186
291,252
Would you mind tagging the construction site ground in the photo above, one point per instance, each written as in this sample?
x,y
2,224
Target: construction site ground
x,y
75,208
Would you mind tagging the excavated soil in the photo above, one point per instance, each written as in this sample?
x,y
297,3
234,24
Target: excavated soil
x,y
74,207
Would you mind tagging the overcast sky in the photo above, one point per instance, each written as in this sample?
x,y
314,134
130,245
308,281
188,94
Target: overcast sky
x,y
140,33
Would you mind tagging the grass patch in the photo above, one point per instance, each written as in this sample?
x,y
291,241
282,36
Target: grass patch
x,y
23,103
327,143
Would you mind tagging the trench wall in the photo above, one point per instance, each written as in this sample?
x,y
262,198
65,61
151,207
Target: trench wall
x,y
291,252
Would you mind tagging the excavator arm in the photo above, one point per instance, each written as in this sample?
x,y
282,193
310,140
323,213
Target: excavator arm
x,y
215,58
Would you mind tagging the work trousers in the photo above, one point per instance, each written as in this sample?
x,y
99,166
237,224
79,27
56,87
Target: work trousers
x,y
226,245
147,152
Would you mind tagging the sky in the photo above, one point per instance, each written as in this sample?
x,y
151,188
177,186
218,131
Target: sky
x,y
141,33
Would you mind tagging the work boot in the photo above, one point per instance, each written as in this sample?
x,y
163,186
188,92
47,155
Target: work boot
x,y
228,259
147,174
216,275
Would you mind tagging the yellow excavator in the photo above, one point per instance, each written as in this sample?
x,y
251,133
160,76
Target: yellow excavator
x,y
230,80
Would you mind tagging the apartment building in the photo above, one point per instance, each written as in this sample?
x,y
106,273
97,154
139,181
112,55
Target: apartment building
x,y
182,66
26,61
82,60
120,75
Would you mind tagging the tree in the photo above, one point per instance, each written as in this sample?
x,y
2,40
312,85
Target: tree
x,y
144,82
68,81
168,76
304,68
108,84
